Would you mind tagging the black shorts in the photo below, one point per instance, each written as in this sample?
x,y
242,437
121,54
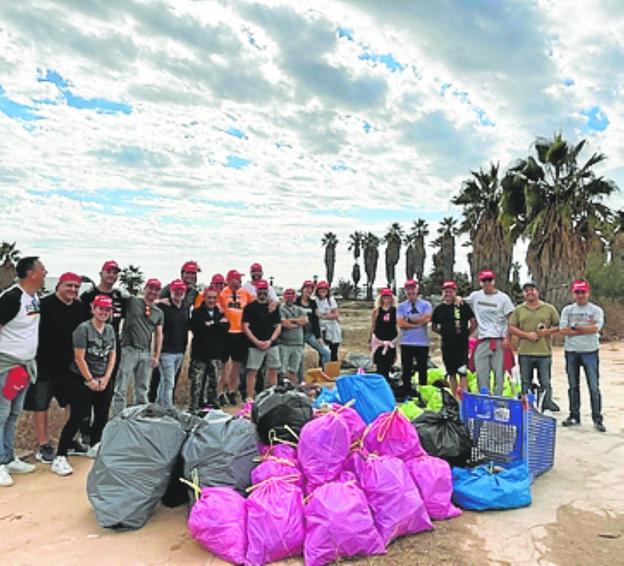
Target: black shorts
x,y
40,394
236,346
454,358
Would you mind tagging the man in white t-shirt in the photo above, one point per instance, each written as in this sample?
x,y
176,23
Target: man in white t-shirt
x,y
256,273
492,309
19,337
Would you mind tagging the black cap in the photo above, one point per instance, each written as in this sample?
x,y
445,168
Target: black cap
x,y
529,284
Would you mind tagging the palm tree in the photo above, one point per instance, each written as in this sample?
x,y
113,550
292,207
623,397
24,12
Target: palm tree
x,y
556,204
492,240
132,279
415,252
444,259
9,256
515,274
393,238
355,244
616,239
370,245
330,241
356,274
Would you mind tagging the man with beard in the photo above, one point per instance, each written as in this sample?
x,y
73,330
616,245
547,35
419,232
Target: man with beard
x,y
256,272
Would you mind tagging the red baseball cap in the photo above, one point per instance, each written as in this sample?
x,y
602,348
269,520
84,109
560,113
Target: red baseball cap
x,y
386,292
217,278
177,284
261,284
449,285
153,282
307,283
486,274
322,285
290,292
410,283
110,265
103,302
580,285
70,276
255,267
233,274
191,267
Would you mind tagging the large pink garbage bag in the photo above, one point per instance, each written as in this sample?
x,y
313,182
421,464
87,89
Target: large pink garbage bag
x,y
218,521
356,424
434,480
393,497
323,448
275,522
339,525
355,460
391,434
278,450
277,467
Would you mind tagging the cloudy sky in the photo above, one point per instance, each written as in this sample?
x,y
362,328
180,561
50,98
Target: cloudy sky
x,y
231,132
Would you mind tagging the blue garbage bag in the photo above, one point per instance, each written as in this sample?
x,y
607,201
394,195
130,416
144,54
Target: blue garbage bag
x,y
481,488
328,396
371,393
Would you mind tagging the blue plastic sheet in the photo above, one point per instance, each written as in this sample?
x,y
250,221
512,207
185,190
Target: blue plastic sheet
x,y
371,393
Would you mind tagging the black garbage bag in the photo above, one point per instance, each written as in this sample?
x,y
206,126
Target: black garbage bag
x,y
443,435
279,411
134,465
221,451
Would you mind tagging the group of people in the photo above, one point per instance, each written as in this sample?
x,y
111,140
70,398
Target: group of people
x,y
491,315
86,351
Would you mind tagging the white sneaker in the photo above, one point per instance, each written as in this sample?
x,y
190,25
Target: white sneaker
x,y
5,478
93,450
61,466
17,466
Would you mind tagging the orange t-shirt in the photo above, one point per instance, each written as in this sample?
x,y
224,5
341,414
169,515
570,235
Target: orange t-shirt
x,y
233,306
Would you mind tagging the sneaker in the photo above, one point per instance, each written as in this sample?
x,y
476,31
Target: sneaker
x,y
571,421
223,400
17,466
77,449
552,406
45,454
61,466
93,451
600,427
232,398
5,478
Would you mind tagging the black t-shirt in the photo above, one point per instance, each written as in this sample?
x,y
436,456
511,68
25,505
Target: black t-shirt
x,y
386,324
208,334
261,321
453,322
55,352
313,326
119,305
175,328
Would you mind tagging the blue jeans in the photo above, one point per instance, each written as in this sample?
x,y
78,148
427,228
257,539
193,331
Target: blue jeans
x,y
542,364
170,364
323,351
589,362
9,412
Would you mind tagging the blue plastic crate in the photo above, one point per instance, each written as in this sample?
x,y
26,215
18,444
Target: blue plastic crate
x,y
507,430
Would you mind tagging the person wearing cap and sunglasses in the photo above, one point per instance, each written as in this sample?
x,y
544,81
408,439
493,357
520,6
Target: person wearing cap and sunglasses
x,y
90,377
142,327
413,315
534,322
454,323
492,309
312,330
61,313
329,317
384,333
580,324
256,272
291,344
188,275
109,275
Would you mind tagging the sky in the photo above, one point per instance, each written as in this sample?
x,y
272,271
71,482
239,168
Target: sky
x,y
234,132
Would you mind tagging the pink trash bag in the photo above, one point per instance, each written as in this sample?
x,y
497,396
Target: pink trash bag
x,y
339,525
393,498
275,521
218,521
323,448
391,434
355,460
280,451
356,424
272,467
434,480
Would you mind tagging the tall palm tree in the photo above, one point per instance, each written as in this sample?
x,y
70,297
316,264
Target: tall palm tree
x,y
9,256
132,279
444,258
415,251
393,239
355,244
492,239
556,204
370,245
330,241
356,274
616,239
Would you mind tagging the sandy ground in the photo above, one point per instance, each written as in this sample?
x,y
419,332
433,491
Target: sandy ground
x,y
577,516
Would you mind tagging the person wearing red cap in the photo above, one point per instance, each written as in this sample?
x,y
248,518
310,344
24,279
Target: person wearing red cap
x,y
233,300
580,324
384,333
256,272
109,275
454,323
143,325
61,313
312,330
188,274
291,338
329,317
492,309
262,327
90,377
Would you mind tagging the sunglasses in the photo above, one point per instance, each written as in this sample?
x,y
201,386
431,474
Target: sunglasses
x,y
580,292
262,293
487,280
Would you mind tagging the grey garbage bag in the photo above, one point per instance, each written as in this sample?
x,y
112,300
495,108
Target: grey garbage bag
x,y
137,453
220,451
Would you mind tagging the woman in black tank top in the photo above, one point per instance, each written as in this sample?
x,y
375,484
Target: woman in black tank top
x,y
384,333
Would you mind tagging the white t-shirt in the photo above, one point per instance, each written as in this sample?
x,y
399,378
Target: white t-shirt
x,y
577,315
330,329
19,322
491,313
249,286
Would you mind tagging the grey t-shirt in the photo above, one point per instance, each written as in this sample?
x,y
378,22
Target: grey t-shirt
x,y
575,315
491,312
291,336
138,326
98,347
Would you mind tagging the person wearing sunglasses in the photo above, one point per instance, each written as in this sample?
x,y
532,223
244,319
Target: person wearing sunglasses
x,y
492,309
19,338
141,344
61,313
580,325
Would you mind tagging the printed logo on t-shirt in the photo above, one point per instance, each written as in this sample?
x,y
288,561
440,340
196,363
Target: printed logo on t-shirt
x,y
33,308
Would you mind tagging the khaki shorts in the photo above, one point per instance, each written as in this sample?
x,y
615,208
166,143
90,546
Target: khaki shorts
x,y
255,357
291,356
